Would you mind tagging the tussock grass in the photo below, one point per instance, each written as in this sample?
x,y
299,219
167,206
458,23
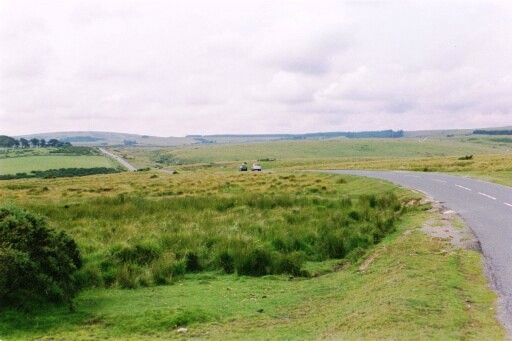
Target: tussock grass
x,y
412,290
251,224
208,234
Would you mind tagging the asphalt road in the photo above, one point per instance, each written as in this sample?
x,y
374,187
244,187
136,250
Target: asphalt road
x,y
486,208
118,159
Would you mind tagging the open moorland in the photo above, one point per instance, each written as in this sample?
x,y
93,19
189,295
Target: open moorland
x,y
232,255
485,157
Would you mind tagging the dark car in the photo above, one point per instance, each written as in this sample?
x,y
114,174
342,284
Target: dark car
x,y
243,168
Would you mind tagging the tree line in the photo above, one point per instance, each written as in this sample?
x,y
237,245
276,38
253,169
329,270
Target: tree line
x,y
493,132
11,142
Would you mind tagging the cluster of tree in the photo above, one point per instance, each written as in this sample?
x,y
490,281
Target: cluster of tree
x,y
37,263
376,134
59,173
11,142
129,142
493,132
203,140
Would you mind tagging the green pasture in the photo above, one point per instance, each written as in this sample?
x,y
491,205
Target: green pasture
x,y
26,164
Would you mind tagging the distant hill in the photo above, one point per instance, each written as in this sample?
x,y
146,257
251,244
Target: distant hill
x,y
99,138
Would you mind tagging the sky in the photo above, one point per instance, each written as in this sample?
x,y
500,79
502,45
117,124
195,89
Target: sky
x,y
172,68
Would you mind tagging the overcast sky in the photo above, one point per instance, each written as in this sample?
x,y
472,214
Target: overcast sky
x,y
172,68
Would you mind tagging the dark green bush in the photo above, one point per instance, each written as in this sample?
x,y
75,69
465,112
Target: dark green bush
x,y
256,262
62,172
179,268
37,263
227,262
161,272
192,262
290,263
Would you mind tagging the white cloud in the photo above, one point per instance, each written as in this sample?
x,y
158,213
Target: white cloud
x,y
184,67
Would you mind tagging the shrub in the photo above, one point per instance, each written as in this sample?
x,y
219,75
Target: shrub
x,y
36,262
227,262
257,262
129,276
289,264
179,268
141,254
61,172
192,262
161,272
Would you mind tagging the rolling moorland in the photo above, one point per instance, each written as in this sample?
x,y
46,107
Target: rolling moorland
x,y
283,254
485,157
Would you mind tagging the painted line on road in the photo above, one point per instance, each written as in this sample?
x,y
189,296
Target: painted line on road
x,y
413,176
487,195
439,180
467,189
506,203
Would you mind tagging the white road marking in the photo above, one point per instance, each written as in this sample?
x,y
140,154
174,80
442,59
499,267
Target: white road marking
x,y
506,203
467,189
413,176
439,180
487,195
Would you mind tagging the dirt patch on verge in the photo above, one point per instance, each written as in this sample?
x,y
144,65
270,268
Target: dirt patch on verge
x,y
449,225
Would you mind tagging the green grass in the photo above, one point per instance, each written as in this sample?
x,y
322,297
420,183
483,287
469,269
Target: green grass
x,y
332,148
414,289
27,164
492,159
214,221
133,225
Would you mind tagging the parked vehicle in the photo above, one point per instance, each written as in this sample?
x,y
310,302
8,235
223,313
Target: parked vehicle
x,y
256,167
243,167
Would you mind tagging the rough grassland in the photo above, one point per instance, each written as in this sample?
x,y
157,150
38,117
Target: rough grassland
x,y
139,229
492,158
414,289
27,164
316,149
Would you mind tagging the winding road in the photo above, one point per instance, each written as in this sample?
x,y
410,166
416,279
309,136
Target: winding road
x,y
486,208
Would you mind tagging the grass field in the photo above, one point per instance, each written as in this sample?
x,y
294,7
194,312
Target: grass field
x,y
214,218
492,156
318,149
416,286
27,164
166,251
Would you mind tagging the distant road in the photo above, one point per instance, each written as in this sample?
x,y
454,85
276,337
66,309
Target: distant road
x,y
487,209
118,159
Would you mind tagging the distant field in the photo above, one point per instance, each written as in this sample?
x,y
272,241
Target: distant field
x,y
317,149
30,163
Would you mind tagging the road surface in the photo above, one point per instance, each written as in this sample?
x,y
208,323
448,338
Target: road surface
x,y
118,159
486,208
